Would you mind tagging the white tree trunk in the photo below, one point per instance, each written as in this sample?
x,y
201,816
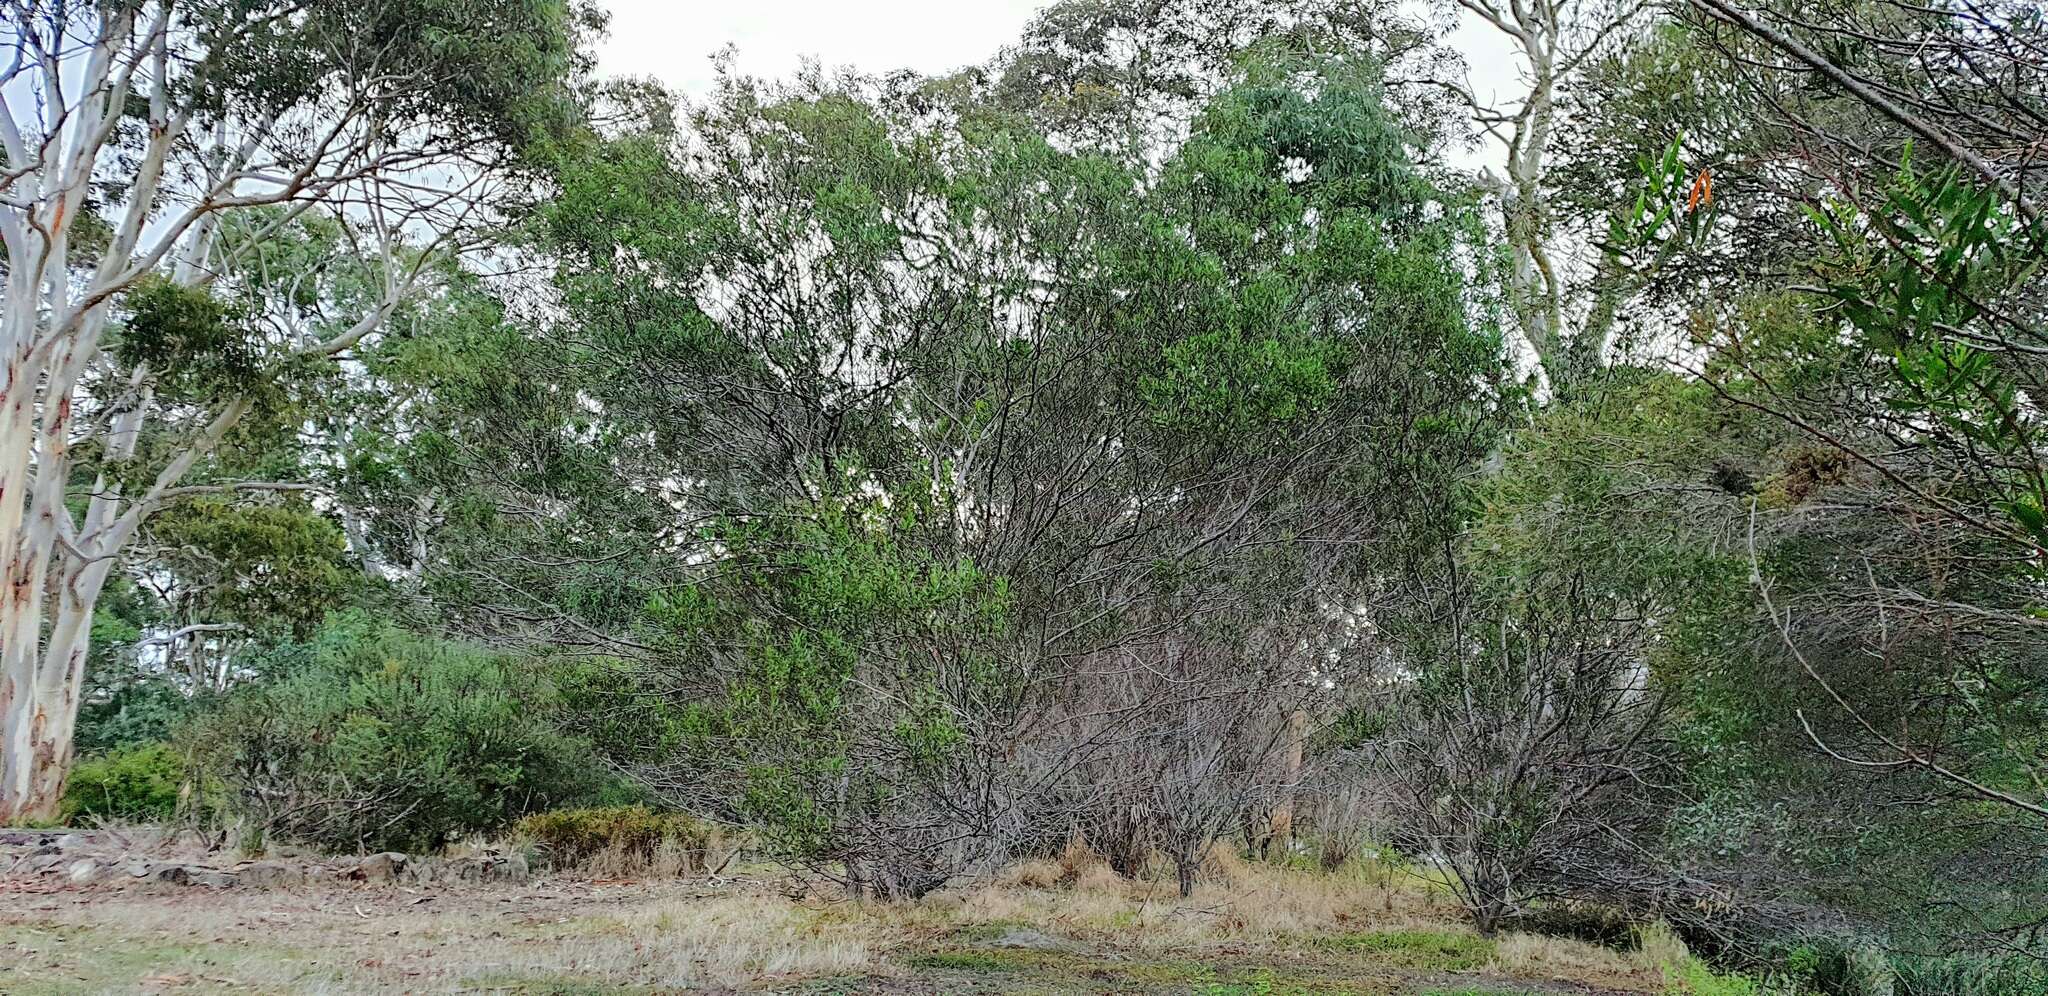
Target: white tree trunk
x,y
1552,40
41,695
77,75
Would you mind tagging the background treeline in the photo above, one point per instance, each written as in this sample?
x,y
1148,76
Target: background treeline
x,y
1149,438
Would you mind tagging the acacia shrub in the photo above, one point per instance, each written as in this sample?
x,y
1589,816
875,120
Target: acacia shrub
x,y
384,739
135,783
624,838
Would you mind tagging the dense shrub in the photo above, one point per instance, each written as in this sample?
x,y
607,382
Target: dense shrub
x,y
384,739
136,714
133,783
1603,925
622,837
2017,974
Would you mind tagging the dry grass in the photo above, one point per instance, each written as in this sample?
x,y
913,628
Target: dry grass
x,y
369,941
728,941
669,859
1038,873
564,933
1534,956
1657,947
1079,896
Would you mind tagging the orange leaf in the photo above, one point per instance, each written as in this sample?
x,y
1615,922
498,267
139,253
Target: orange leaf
x,y
1702,191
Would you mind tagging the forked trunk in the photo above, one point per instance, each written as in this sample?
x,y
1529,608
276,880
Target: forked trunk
x,y
40,681
38,734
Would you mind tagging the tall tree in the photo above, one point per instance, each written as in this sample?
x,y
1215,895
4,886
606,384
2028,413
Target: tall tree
x,y
963,427
1559,285
135,133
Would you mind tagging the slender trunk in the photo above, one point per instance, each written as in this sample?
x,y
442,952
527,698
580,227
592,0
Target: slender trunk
x,y
25,710
1280,828
38,673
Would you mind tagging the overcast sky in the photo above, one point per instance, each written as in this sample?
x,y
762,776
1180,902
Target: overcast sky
x,y
673,40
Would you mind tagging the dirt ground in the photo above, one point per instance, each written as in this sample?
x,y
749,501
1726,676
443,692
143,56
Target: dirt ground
x,y
1038,929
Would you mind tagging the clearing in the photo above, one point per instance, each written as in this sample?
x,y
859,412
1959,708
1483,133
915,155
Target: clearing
x,y
1043,927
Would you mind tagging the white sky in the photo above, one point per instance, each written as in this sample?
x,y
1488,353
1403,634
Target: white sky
x,y
673,40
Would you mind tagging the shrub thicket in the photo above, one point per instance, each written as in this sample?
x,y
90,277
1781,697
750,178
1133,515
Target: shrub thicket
x,y
622,838
138,783
383,739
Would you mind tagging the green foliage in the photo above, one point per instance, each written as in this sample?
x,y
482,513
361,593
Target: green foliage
x,y
278,567
196,345
2012,974
133,714
1924,277
491,68
1696,978
383,739
846,702
570,836
130,784
1237,381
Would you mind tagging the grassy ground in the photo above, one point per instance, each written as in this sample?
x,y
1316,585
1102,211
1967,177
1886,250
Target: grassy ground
x,y
1041,928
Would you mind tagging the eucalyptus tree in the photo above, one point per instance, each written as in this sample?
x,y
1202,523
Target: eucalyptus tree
x,y
1560,283
1131,74
135,134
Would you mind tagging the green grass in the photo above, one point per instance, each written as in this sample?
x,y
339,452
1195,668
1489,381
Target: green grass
x,y
974,933
1263,982
1070,972
971,961
1694,978
100,960
1429,950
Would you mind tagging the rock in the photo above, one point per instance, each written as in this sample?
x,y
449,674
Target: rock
x,y
271,875
200,875
380,869
83,871
136,867
40,863
455,871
